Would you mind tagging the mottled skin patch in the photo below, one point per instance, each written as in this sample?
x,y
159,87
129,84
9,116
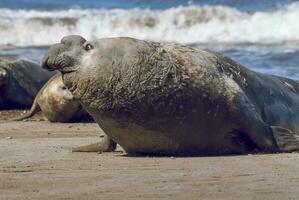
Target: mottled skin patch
x,y
20,81
160,98
56,102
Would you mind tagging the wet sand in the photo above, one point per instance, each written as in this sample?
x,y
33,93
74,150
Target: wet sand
x,y
36,163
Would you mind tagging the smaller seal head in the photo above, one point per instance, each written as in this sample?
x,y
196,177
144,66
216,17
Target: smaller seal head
x,y
67,95
3,76
62,92
65,56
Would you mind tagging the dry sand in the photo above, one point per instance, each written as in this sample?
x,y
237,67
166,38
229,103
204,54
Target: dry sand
x,y
36,163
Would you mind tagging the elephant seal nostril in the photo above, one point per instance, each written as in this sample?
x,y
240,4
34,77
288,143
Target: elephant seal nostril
x,y
44,63
49,60
57,57
48,65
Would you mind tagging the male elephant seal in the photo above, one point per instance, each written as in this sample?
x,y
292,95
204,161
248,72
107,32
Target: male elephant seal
x,y
56,103
160,98
20,80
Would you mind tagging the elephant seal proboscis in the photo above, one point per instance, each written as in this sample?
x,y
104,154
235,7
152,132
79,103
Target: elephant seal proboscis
x,y
170,99
56,103
20,80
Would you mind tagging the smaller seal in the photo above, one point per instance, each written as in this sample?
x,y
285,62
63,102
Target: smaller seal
x,y
57,103
20,80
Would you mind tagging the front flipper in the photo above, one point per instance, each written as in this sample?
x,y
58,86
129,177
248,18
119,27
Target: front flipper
x,y
105,145
286,139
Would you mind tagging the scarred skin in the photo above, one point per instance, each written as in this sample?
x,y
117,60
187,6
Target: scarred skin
x,y
20,80
56,102
160,98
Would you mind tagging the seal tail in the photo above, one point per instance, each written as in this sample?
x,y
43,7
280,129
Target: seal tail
x,y
286,139
33,110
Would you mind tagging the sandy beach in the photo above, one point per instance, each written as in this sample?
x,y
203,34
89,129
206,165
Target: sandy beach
x,y
36,163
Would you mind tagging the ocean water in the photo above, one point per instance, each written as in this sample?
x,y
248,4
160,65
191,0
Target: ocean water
x,y
261,34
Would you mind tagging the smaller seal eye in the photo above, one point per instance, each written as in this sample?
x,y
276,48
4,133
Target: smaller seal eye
x,y
88,46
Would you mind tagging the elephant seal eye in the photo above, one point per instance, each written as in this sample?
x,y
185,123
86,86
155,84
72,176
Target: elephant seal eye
x,y
88,46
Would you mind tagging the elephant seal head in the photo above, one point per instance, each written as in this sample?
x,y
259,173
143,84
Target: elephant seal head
x,y
66,55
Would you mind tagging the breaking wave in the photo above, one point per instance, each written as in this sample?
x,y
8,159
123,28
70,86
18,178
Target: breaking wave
x,y
189,25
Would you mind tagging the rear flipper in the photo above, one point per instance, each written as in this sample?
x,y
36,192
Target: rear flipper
x,y
286,139
34,109
105,145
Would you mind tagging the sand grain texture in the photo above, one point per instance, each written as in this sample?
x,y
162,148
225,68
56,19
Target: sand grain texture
x,y
36,163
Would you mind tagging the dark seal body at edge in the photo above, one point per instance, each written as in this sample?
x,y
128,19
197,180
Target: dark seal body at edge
x,y
22,81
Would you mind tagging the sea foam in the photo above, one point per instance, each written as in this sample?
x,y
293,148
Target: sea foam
x,y
188,25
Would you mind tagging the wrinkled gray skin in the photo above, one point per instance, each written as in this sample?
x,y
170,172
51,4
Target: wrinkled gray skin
x,y
57,103
20,80
159,98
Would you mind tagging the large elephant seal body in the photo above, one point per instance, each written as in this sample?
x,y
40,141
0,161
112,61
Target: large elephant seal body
x,y
56,103
159,98
20,80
